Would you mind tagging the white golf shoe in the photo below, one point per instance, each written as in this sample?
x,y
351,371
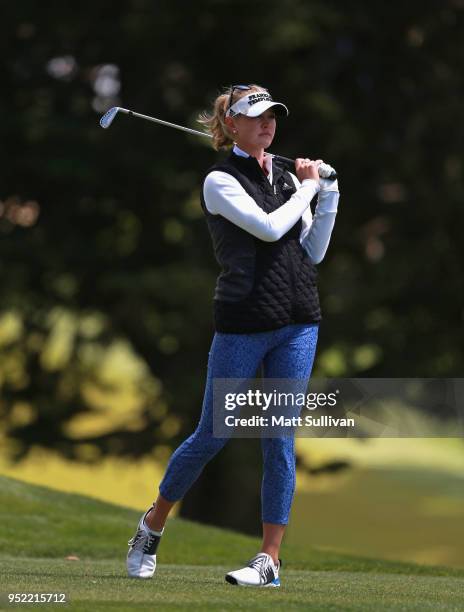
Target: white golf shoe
x,y
141,557
260,571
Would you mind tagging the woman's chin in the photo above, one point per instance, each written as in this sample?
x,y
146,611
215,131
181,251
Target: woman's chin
x,y
266,141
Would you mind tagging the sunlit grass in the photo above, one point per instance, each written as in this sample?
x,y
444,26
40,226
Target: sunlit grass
x,y
130,483
54,542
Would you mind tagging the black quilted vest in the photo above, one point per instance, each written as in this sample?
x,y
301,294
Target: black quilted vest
x,y
263,285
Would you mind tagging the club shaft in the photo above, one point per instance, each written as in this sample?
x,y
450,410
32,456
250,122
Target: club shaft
x,y
285,160
189,130
167,123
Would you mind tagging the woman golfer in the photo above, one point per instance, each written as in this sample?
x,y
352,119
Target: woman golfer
x,y
266,308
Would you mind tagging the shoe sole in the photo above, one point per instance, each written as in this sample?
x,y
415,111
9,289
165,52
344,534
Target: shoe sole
x,y
234,581
139,577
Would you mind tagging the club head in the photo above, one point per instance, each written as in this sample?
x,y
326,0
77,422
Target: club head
x,y
108,117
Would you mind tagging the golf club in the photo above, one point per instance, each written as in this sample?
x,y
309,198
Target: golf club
x,y
325,171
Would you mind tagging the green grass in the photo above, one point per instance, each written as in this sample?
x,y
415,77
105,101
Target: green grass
x,y
395,513
41,527
102,585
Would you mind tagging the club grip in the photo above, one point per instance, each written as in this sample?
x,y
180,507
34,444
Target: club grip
x,y
289,164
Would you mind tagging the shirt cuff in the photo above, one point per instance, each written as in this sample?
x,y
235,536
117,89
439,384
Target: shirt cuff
x,y
327,201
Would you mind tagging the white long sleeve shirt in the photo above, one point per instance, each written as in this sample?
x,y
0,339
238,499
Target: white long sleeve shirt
x,y
225,196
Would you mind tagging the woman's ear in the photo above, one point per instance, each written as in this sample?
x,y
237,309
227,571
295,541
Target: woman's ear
x,y
230,125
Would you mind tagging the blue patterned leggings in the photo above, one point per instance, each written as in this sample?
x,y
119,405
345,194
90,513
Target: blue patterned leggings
x,y
287,352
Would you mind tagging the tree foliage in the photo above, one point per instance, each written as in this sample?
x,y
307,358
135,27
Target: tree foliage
x,y
106,264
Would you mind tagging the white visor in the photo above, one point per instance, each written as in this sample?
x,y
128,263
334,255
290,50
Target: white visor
x,y
255,104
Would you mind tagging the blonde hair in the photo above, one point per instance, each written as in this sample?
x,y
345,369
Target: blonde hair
x,y
214,121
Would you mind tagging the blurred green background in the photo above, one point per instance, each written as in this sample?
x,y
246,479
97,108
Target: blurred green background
x,y
108,272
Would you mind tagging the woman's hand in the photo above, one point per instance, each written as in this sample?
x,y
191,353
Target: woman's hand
x,y
307,169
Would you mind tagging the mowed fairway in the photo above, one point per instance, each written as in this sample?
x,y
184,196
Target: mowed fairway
x,y
41,528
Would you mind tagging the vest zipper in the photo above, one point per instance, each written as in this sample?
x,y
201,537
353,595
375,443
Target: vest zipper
x,y
290,267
